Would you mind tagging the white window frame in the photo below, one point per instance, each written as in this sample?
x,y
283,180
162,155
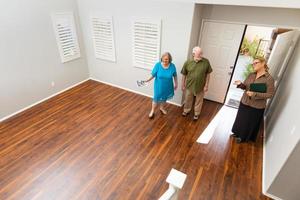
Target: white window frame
x,y
110,55
68,16
156,22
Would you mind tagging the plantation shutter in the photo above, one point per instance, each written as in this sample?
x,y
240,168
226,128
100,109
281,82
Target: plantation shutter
x,y
146,43
66,37
103,38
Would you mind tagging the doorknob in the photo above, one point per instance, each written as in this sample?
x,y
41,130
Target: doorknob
x,y
231,67
229,73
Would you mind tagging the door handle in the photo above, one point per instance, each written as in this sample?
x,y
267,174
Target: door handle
x,y
229,73
231,67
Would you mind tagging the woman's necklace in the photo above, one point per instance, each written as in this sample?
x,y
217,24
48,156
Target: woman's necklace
x,y
165,67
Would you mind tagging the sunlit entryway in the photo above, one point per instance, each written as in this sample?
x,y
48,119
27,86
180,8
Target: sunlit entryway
x,y
257,41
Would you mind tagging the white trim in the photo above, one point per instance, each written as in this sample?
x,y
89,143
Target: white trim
x,y
90,78
157,22
264,190
130,90
271,196
112,58
216,21
174,103
241,23
69,16
40,101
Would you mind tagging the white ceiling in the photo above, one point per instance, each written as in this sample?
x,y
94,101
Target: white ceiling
x,y
257,3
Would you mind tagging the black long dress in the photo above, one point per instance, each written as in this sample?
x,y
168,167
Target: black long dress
x,y
247,122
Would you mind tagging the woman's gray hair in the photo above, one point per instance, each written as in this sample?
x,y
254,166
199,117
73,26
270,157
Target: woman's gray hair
x,y
166,54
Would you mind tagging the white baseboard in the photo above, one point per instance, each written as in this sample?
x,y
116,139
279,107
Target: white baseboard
x,y
271,196
264,189
113,85
130,90
27,107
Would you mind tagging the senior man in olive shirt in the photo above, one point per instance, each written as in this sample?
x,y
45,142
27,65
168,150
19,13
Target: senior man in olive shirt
x,y
195,79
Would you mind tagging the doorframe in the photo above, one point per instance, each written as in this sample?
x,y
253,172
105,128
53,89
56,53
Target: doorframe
x,y
241,42
239,23
245,23
236,59
216,21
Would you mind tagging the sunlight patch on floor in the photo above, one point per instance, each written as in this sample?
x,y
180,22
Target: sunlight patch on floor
x,y
220,124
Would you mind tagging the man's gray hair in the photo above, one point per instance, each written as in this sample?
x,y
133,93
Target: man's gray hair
x,y
195,49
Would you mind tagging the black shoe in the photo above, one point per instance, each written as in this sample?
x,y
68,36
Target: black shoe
x,y
254,141
196,117
238,140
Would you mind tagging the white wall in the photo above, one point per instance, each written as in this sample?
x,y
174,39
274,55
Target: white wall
x,y
196,27
283,135
29,56
176,29
286,184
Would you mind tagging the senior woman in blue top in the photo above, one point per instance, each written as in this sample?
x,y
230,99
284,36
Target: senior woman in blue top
x,y
164,72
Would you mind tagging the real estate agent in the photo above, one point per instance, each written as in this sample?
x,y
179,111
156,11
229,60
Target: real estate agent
x,y
258,86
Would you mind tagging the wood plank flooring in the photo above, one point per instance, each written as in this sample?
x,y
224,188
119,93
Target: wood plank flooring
x,y
96,142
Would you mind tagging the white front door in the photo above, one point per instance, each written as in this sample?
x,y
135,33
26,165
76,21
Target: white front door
x,y
281,53
220,43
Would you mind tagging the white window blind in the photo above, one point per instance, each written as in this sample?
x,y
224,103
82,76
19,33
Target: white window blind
x,y
66,37
103,38
146,43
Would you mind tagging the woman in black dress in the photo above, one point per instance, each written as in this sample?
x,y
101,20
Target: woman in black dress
x,y
258,86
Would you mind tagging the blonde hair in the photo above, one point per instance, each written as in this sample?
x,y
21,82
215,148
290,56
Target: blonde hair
x,y
262,60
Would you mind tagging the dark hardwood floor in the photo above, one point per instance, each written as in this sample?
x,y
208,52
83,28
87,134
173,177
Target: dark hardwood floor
x,y
96,142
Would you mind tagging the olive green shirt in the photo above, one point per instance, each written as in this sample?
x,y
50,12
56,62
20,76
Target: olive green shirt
x,y
195,73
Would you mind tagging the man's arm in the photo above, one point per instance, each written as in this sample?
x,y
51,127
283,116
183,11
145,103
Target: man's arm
x,y
206,82
183,82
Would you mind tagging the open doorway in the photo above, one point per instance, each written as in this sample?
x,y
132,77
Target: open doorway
x,y
231,48
220,42
257,41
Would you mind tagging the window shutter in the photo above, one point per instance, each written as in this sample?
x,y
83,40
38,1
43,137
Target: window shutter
x,y
146,43
66,37
103,38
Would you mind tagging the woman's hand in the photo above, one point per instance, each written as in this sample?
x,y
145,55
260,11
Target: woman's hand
x,y
249,93
238,82
175,87
149,79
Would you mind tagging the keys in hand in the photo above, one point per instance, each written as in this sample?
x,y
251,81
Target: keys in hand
x,y
141,83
